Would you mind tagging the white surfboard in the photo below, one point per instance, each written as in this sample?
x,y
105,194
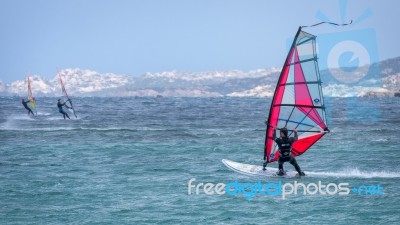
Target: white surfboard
x,y
253,170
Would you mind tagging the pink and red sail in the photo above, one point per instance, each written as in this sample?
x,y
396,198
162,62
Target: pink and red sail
x,y
298,100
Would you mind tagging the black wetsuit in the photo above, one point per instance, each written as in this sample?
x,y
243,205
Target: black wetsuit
x,y
25,104
61,110
285,150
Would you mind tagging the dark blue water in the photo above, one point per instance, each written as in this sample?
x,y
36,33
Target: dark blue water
x,y
129,160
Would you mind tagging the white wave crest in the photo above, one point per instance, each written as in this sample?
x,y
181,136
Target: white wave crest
x,y
43,114
356,173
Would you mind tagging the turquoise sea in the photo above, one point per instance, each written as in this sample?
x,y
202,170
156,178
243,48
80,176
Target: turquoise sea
x,y
129,160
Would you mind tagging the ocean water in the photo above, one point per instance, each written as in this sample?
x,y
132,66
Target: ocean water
x,y
129,160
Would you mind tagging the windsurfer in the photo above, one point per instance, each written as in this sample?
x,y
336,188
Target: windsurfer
x,y
25,104
60,108
285,149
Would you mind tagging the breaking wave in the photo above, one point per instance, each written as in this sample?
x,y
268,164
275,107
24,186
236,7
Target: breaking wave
x,y
356,173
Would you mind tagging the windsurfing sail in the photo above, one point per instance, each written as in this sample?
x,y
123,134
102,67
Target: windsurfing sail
x,y
66,98
32,101
298,102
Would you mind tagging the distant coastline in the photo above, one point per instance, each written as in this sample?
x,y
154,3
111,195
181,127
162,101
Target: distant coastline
x,y
232,83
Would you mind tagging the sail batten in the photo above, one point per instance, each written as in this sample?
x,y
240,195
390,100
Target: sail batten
x,y
302,61
298,100
295,83
299,105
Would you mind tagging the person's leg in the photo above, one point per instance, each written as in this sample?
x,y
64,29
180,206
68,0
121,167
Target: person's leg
x,y
28,110
280,166
296,165
67,115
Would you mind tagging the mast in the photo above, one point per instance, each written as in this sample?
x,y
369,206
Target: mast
x,y
266,156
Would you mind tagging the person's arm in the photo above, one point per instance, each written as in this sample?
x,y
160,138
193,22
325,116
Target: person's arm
x,y
28,101
65,103
295,135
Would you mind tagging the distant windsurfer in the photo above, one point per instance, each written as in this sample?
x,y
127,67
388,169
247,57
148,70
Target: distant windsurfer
x,y
60,108
25,104
285,149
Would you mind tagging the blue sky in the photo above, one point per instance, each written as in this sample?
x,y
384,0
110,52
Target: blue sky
x,y
134,37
